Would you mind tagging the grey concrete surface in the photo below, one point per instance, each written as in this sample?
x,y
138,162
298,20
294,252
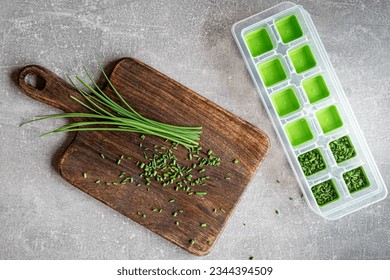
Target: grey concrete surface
x,y
43,217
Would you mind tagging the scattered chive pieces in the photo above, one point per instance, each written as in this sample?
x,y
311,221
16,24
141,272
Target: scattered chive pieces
x,y
85,175
177,223
209,242
277,212
209,152
277,181
160,210
290,198
251,257
201,193
144,216
192,241
102,156
171,201
235,161
215,210
139,185
222,210
174,214
108,183
203,225
118,161
97,181
142,136
115,183
154,209
181,211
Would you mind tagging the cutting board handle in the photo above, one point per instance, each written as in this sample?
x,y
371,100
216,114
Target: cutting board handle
x,y
45,86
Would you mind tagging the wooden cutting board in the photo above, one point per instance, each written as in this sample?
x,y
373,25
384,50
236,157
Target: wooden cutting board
x,y
158,97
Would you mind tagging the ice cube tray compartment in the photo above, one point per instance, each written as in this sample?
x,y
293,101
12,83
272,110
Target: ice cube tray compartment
x,y
309,111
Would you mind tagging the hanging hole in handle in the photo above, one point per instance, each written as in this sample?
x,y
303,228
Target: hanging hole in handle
x,y
34,80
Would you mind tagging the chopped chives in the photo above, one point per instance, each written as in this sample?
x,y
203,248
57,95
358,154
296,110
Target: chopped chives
x,y
201,193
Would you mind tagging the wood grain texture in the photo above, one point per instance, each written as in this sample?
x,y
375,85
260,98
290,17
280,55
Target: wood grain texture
x,y
158,97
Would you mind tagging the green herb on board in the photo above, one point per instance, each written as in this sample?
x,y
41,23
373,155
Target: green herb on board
x,y
325,192
356,180
107,115
342,149
311,162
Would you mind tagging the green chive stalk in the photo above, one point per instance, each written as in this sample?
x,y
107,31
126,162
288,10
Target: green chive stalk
x,y
107,115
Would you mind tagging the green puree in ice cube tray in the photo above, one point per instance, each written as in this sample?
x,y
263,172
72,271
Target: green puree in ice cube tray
x,y
305,101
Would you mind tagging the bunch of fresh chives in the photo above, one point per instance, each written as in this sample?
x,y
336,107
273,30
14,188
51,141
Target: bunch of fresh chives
x,y
108,115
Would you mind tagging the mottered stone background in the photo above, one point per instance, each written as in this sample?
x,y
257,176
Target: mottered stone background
x,y
43,217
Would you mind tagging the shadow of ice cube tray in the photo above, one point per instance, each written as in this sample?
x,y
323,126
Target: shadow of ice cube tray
x,y
309,110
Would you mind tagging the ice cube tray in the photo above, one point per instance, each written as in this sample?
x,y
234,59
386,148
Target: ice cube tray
x,y
309,110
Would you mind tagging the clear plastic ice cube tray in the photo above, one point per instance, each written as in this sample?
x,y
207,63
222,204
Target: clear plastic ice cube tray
x,y
309,110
